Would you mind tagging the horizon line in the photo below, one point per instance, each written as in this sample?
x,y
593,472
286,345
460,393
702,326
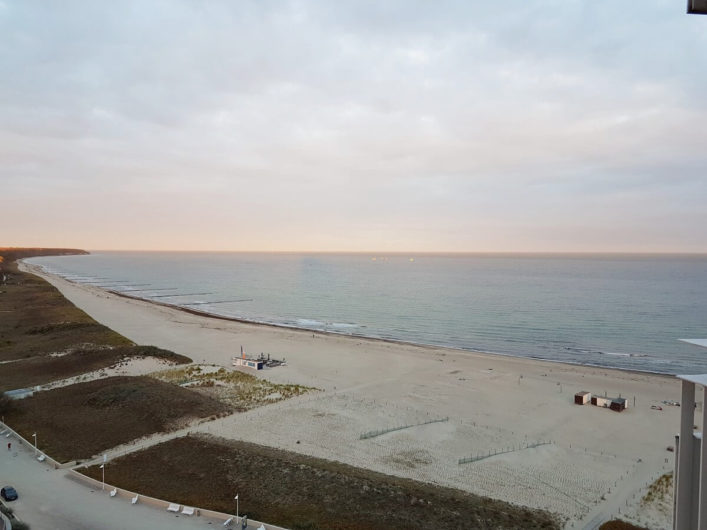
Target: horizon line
x,y
418,252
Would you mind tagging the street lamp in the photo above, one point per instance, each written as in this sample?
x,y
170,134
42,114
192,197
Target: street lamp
x,y
236,499
103,473
35,444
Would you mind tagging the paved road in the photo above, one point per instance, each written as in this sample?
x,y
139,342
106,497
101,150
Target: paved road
x,y
49,500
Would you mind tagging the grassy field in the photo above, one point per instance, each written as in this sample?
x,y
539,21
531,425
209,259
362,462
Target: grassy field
x,y
301,492
47,338
27,373
37,320
79,421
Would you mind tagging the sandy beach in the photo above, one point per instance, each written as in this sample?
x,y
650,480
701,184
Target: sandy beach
x,y
583,462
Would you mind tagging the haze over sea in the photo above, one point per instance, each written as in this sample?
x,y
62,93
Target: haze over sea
x,y
618,311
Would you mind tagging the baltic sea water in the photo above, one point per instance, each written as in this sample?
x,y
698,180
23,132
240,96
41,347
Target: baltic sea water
x,y
618,311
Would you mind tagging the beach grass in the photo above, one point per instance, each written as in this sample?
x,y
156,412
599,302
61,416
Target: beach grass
x,y
239,390
297,491
79,421
38,321
45,338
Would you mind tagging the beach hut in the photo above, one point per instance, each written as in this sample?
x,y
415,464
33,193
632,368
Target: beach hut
x,y
255,364
582,398
601,401
618,404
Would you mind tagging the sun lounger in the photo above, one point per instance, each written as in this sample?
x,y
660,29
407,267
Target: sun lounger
x,y
188,510
174,507
114,492
134,499
228,522
41,458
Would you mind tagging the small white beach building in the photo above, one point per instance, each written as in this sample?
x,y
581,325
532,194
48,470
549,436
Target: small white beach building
x,y
255,364
618,404
602,401
582,398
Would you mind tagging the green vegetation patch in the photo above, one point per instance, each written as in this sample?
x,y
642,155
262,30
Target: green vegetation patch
x,y
46,338
36,320
35,371
61,326
239,390
659,491
82,420
298,492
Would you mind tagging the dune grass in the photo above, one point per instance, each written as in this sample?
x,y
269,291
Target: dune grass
x,y
81,420
301,492
241,391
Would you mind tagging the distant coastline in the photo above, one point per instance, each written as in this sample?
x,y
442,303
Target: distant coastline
x,y
10,254
413,253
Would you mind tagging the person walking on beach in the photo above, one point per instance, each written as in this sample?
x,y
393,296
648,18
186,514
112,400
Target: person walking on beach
x,y
9,446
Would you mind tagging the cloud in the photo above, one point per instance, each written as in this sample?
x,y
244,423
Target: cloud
x,y
319,125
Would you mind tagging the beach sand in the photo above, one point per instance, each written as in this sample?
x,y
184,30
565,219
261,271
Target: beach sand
x,y
597,463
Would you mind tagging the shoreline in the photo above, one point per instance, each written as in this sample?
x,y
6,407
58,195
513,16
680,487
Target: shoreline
x,y
425,349
352,336
401,342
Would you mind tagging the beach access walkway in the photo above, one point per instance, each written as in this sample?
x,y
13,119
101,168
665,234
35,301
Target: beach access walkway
x,y
48,498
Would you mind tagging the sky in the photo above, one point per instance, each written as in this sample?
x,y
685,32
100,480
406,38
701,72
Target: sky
x,y
469,126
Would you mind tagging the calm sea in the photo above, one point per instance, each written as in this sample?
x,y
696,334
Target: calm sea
x,y
620,311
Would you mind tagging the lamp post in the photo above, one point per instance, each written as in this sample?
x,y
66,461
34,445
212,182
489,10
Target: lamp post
x,y
103,473
35,443
236,499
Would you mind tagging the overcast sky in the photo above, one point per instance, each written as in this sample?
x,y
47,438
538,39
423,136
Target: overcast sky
x,y
526,125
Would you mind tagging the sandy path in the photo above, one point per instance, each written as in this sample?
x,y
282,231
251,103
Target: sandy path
x,y
492,402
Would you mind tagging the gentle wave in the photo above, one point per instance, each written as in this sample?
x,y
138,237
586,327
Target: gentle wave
x,y
605,311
